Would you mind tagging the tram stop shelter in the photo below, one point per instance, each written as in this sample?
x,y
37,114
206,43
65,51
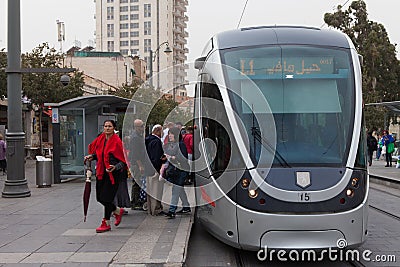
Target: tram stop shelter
x,y
76,123
393,107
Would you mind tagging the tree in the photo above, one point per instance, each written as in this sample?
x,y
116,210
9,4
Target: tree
x,y
381,68
157,106
46,87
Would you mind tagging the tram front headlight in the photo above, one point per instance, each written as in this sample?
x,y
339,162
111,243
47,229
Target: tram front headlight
x,y
350,192
253,193
245,182
354,182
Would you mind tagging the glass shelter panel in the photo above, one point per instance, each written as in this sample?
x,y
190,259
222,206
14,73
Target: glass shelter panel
x,y
71,142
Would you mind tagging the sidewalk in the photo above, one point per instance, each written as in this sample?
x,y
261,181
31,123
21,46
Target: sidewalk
x,y
48,228
391,174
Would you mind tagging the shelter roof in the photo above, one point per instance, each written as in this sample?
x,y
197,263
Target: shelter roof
x,y
393,106
92,103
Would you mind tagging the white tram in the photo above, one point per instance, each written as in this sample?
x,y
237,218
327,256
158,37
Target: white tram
x,y
280,144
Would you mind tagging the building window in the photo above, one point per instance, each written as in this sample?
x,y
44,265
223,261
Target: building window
x,y
124,43
123,1
147,10
134,1
110,30
135,34
147,45
124,52
124,26
123,34
134,42
147,28
123,17
134,51
110,1
110,46
134,25
124,9
135,8
147,59
110,12
134,16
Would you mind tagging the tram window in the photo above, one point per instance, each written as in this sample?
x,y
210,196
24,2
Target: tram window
x,y
308,90
214,121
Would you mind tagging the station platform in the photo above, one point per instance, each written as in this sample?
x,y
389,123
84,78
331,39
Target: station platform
x,y
390,175
47,229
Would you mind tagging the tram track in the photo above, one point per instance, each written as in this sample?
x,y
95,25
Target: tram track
x,y
390,182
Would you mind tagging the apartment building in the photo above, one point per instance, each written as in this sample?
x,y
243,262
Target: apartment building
x,y
144,27
104,71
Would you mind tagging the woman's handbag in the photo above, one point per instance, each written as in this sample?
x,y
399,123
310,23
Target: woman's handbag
x,y
172,173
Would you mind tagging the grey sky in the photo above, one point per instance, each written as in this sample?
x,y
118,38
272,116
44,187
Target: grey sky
x,y
206,18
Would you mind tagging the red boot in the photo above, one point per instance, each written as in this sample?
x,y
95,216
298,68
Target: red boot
x,y
103,227
118,218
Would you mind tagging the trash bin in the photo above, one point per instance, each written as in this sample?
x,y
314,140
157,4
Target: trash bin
x,y
44,171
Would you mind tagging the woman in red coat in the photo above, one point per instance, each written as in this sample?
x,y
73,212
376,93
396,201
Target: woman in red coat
x,y
108,151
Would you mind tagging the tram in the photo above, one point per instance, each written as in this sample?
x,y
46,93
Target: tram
x,y
280,158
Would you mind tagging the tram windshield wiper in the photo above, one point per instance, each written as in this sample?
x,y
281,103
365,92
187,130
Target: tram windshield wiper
x,y
255,131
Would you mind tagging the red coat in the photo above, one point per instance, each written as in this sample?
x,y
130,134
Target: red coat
x,y
113,146
188,140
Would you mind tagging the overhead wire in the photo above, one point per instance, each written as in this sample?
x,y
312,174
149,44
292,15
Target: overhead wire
x,y
244,8
334,9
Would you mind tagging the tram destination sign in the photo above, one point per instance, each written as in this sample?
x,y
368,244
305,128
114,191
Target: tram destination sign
x,y
288,65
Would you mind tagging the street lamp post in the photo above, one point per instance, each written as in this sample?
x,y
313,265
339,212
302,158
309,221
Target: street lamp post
x,y
153,55
16,185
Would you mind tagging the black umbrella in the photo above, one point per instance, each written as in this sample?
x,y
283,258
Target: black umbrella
x,y
88,187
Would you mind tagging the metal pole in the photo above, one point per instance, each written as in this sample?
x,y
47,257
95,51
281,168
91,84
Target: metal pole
x,y
56,153
151,68
15,185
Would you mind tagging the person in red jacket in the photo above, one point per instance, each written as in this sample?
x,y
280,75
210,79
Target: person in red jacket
x,y
108,151
188,141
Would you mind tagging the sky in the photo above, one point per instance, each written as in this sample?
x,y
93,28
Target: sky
x,y
206,18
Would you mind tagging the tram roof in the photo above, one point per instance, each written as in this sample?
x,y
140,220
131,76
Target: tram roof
x,y
269,35
393,106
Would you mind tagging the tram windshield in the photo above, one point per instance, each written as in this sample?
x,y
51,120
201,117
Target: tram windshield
x,y
306,92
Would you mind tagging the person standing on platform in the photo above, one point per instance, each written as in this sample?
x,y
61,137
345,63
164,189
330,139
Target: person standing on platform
x,y
3,150
164,136
388,142
379,149
108,151
176,152
372,145
136,159
188,141
153,164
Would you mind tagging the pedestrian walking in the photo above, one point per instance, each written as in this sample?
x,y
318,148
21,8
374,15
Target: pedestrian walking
x,y
107,150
